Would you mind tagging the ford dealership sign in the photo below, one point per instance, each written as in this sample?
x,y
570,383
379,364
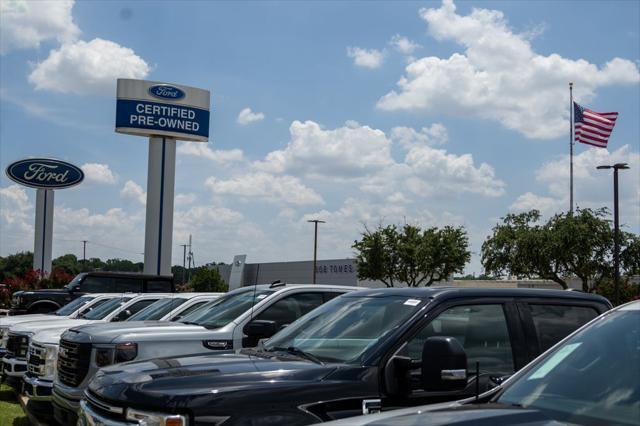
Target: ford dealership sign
x,y
45,173
166,91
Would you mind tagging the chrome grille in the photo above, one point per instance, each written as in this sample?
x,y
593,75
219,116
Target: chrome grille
x,y
17,345
36,360
73,362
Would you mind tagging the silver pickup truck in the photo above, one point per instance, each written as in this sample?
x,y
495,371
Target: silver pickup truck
x,y
238,319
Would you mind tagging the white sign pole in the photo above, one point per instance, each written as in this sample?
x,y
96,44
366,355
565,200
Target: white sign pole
x,y
160,191
43,231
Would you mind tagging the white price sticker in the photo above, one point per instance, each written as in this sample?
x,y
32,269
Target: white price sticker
x,y
412,302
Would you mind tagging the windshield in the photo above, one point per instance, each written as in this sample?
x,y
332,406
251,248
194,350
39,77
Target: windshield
x,y
106,308
75,282
73,306
344,328
592,379
157,310
227,308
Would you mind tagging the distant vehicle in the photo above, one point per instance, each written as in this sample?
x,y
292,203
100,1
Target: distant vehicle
x,y
236,320
591,378
363,352
49,300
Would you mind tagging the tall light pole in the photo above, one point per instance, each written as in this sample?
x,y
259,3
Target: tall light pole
x,y
315,245
616,228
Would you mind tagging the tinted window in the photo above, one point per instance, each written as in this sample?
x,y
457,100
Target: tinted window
x,y
106,308
73,306
555,322
128,285
159,287
134,308
290,308
97,285
157,310
189,309
480,329
227,308
92,306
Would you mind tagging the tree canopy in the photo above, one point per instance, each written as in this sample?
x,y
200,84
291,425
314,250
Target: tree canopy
x,y
410,255
207,279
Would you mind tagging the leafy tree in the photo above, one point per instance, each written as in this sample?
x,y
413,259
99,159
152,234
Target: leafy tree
x,y
567,245
68,263
205,279
15,265
123,265
411,256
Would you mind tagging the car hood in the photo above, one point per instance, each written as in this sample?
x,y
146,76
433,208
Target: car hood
x,y
174,381
140,331
453,414
48,337
9,321
36,326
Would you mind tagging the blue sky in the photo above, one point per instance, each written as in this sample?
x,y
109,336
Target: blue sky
x,y
357,113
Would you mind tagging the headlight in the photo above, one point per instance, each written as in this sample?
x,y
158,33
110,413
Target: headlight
x,y
218,344
50,359
126,352
104,357
155,419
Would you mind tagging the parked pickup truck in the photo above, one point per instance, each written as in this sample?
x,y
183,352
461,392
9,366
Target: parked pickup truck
x,y
48,300
238,319
43,348
363,352
118,308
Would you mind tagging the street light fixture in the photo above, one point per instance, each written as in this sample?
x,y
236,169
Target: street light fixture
x,y
616,227
315,245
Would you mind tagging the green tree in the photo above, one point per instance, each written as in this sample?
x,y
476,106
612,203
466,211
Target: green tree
x,y
15,265
122,265
411,256
68,263
205,279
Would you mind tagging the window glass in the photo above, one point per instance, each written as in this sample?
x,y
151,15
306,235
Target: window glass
x,y
75,282
189,309
157,310
329,295
555,322
159,287
106,308
591,379
73,306
128,285
97,285
134,308
290,308
91,306
480,329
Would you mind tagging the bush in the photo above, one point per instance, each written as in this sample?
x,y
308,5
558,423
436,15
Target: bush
x,y
204,279
628,291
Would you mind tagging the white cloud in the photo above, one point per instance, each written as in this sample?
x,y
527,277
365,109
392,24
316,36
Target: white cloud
x,y
246,116
182,199
219,156
16,217
498,76
133,191
530,201
348,151
276,189
26,24
436,134
366,58
403,44
98,173
87,68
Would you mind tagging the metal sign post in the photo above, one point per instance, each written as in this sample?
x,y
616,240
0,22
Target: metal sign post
x,y
163,112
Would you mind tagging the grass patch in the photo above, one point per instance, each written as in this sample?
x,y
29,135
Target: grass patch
x,y
11,413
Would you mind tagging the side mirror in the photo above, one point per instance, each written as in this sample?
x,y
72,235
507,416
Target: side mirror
x,y
444,364
260,329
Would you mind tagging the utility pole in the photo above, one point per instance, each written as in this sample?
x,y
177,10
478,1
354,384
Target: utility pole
x,y
184,262
315,245
84,251
190,257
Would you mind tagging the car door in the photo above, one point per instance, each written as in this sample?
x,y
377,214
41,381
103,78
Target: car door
x,y
488,330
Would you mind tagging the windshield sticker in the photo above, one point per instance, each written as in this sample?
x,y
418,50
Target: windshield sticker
x,y
553,361
261,296
412,302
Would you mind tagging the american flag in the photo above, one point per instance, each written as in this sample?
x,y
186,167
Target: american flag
x,y
593,128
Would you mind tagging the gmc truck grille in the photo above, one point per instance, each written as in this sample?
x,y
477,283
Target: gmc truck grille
x,y
73,362
36,360
17,345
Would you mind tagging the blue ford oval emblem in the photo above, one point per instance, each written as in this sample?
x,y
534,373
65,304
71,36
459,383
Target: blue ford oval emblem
x,y
166,91
45,173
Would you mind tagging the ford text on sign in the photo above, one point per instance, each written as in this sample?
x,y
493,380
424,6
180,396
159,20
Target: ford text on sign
x,y
45,173
149,108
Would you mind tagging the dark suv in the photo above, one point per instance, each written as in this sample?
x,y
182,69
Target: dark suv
x,y
362,352
49,300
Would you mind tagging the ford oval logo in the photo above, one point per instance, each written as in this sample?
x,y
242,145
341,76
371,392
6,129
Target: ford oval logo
x,y
166,91
45,173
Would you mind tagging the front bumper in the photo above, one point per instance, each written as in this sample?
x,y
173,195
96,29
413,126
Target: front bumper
x,y
89,417
37,389
14,367
65,406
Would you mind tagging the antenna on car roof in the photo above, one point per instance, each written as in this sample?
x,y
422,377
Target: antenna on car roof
x,y
277,283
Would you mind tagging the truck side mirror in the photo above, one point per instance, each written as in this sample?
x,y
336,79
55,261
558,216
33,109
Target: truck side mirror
x,y
444,364
260,329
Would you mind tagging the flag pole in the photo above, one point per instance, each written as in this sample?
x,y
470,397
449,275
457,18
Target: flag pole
x,y
570,147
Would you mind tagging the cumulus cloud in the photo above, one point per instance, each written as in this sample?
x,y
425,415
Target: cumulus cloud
x,y
16,215
276,189
25,24
182,199
407,137
98,173
87,68
348,151
133,191
366,58
499,76
246,116
403,44
202,150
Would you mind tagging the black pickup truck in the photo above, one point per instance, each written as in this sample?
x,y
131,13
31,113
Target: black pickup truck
x,y
49,300
362,352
